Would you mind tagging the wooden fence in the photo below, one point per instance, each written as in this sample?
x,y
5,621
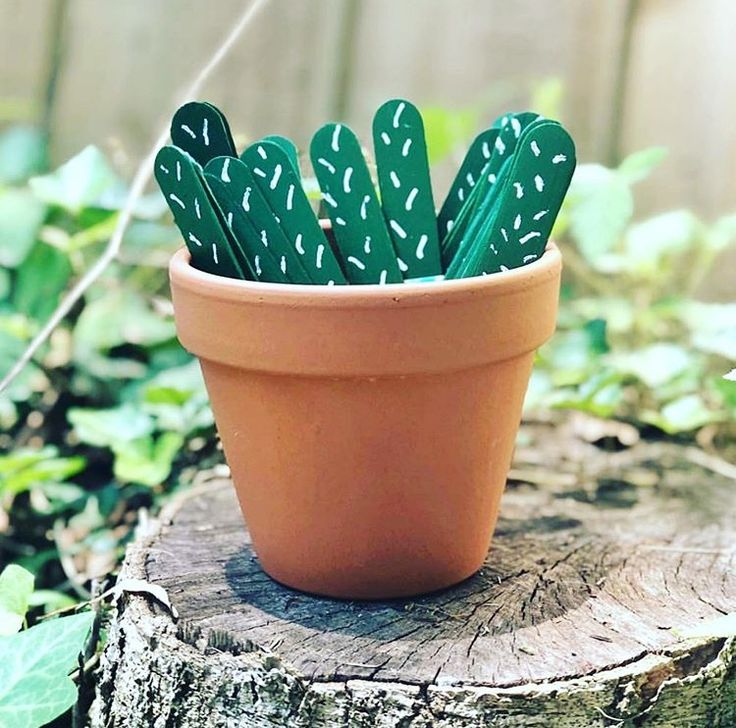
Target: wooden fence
x,y
635,72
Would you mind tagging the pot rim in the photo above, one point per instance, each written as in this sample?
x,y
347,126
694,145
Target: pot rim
x,y
364,295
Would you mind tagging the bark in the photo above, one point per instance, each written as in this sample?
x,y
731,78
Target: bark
x,y
601,563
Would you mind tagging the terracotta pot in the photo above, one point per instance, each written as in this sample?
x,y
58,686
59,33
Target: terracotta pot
x,y
369,429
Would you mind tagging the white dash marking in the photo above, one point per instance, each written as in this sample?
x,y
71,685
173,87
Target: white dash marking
x,y
178,200
205,134
503,268
535,148
335,143
397,229
257,261
461,194
450,224
540,214
264,238
538,182
329,167
340,221
225,175
395,179
505,234
320,253
259,172
528,258
283,264
164,169
298,244
246,199
276,176
492,179
178,171
356,262
405,148
485,150
517,222
519,190
197,211
516,126
500,145
386,138
559,158
261,152
382,277
329,199
188,130
230,220
397,114
529,237
421,246
214,253
403,267
346,180
290,198
367,245
469,178
330,283
410,198
195,239
363,211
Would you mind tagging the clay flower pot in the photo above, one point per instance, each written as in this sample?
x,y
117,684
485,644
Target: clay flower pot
x,y
369,429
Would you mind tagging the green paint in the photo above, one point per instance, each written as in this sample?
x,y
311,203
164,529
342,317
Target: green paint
x,y
212,247
244,193
470,171
201,130
287,146
406,189
530,196
282,188
363,242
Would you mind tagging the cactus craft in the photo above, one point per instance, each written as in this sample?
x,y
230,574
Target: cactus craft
x,y
210,243
470,171
282,189
406,190
245,193
287,146
358,225
531,196
201,130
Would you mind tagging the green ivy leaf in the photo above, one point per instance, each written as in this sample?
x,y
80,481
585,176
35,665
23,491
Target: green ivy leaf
x,y
81,182
110,427
24,469
639,165
146,461
653,365
21,216
682,415
16,586
40,281
34,670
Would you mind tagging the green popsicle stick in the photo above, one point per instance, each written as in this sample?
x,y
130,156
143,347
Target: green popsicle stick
x,y
364,245
284,193
528,203
476,158
201,130
287,146
406,190
210,243
244,190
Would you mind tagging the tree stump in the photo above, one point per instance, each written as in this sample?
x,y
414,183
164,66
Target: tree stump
x,y
601,565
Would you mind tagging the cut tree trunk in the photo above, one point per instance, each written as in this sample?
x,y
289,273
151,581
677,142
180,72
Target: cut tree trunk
x,y
602,567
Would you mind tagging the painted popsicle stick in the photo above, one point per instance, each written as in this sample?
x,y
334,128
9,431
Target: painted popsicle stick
x,y
357,221
406,189
280,185
476,158
201,130
289,147
212,248
533,191
244,190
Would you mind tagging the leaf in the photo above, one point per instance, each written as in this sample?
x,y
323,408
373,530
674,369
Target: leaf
x,y
639,165
22,153
722,234
109,427
24,468
50,600
16,586
146,461
712,326
654,365
34,670
81,182
21,216
445,130
682,415
600,395
599,206
40,281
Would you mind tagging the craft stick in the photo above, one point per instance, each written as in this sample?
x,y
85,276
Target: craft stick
x,y
201,130
244,192
287,146
212,247
406,190
364,245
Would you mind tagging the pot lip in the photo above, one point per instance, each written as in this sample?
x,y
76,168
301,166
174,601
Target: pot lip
x,y
182,274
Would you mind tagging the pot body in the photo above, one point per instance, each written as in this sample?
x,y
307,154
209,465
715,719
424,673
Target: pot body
x,y
369,429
